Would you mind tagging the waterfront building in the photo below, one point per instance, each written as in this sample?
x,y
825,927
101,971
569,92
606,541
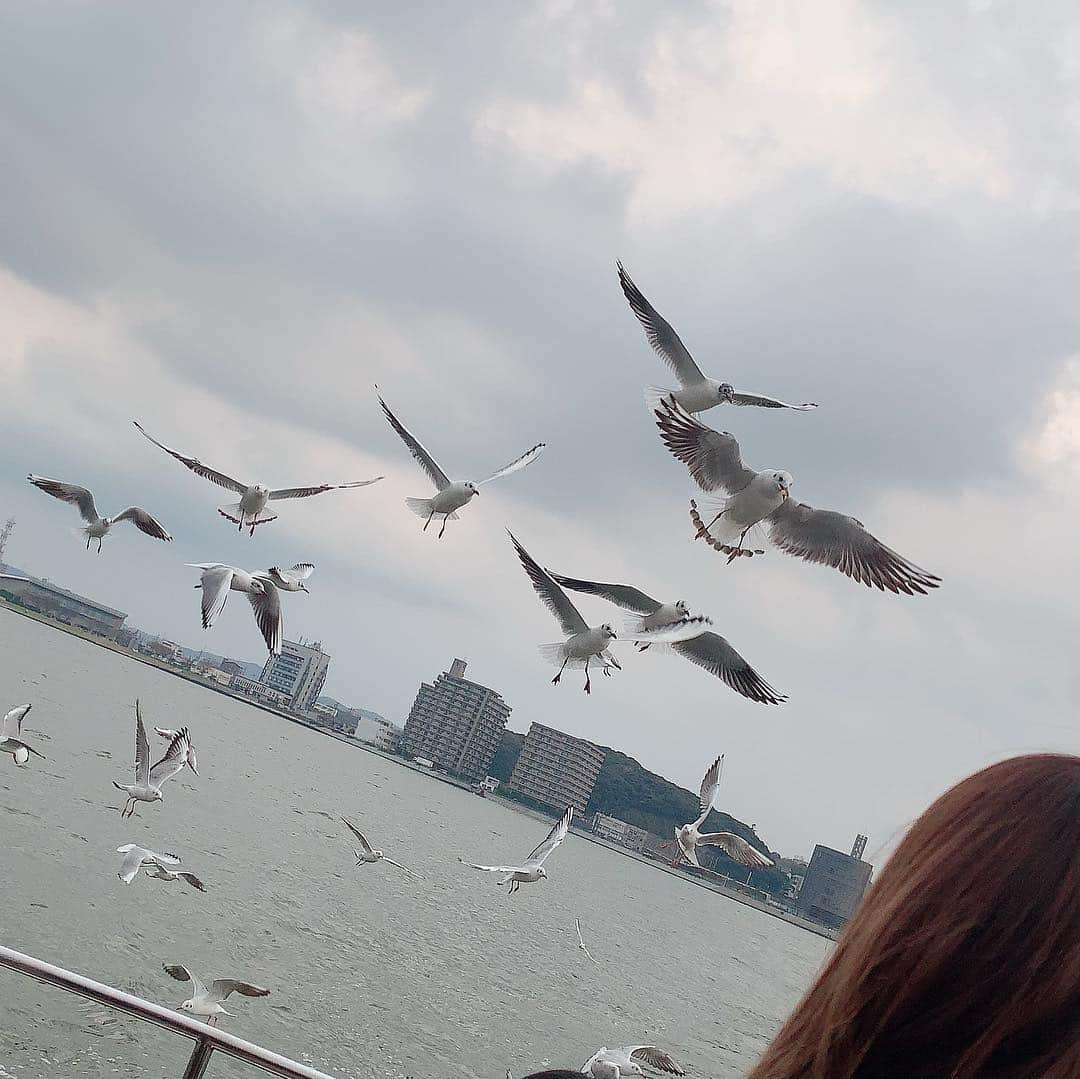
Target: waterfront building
x,y
833,884
380,733
456,724
67,607
556,769
258,691
299,673
618,831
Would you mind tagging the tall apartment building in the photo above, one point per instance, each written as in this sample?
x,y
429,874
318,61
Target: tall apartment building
x,y
556,769
456,724
299,672
833,884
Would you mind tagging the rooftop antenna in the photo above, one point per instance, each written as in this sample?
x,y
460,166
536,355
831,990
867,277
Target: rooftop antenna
x,y
5,535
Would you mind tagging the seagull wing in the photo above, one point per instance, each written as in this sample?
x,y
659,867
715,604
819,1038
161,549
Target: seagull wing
x,y
300,572
11,727
758,401
834,539
267,607
144,522
552,596
734,846
68,492
216,582
710,785
712,652
622,595
220,988
554,838
664,340
142,749
131,863
196,465
423,458
193,880
359,835
390,861
165,732
654,1057
162,859
307,492
182,974
493,868
174,760
712,457
516,465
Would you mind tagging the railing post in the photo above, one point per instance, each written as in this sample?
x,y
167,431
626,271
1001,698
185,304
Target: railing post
x,y
200,1060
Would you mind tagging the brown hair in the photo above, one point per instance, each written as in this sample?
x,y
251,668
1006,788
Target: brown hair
x,y
964,958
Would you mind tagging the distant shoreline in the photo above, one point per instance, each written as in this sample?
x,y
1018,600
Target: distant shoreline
x,y
453,781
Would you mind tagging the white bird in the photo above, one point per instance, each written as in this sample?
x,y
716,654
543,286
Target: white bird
x,y
156,865
292,579
189,760
613,1063
697,392
585,644
581,941
11,740
207,1002
451,495
251,510
753,498
532,869
688,838
367,855
216,582
98,527
708,650
148,781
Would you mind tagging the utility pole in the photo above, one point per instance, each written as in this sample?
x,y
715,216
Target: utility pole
x,y
5,535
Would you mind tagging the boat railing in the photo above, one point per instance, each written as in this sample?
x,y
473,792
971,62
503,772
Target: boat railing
x,y
208,1040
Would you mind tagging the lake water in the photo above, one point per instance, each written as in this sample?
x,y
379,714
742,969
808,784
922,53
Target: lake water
x,y
371,974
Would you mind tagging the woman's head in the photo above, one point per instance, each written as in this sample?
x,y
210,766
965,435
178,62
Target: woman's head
x,y
964,958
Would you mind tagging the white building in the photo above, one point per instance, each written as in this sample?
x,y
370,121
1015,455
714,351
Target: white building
x,y
299,673
380,733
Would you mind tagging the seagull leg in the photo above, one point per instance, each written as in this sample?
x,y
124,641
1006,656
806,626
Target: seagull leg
x,y
428,521
588,684
240,527
555,680
443,529
704,529
99,545
88,539
739,549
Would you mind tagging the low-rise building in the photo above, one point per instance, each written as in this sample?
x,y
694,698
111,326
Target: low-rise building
x,y
258,691
618,831
832,886
67,607
380,733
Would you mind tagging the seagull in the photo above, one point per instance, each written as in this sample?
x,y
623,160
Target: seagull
x,y
613,1063
11,736
205,1001
581,942
98,527
697,392
688,838
148,780
585,643
708,650
753,498
366,854
450,494
251,510
189,760
292,579
532,869
156,865
262,593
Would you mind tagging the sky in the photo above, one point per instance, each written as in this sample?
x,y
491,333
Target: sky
x,y
231,222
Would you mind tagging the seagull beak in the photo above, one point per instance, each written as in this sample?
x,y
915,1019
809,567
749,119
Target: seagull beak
x,y
785,492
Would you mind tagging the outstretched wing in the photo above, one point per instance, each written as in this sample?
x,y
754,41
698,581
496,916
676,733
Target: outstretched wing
x,y
664,340
174,760
526,458
359,835
196,466
554,838
712,652
654,1057
131,862
68,492
758,401
622,595
142,749
736,847
712,457
552,596
300,572
268,617
193,881
307,492
215,582
144,522
182,974
220,988
710,785
11,727
834,539
492,868
423,458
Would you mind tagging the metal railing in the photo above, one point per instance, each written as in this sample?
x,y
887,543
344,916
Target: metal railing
x,y
208,1040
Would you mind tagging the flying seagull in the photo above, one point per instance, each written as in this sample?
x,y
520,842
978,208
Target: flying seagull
x,y
189,760
585,644
613,1063
366,855
207,1002
156,865
707,649
11,740
581,941
451,495
696,392
148,781
216,582
532,869
688,838
255,498
753,498
98,527
291,579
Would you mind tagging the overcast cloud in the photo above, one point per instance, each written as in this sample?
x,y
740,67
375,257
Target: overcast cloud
x,y
229,222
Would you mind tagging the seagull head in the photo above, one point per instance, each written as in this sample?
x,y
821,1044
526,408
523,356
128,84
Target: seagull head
x,y
726,392
607,631
471,488
188,1005
784,481
304,588
542,873
258,488
682,608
